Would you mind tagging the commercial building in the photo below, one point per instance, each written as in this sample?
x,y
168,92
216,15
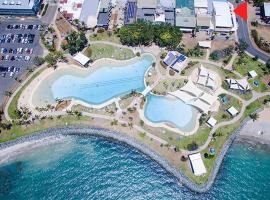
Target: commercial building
x,y
156,10
224,17
130,12
185,17
19,7
86,11
104,14
265,12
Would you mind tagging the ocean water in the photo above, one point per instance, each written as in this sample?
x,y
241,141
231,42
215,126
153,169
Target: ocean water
x,y
81,167
170,109
104,83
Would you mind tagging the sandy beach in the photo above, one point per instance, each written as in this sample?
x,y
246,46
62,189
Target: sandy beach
x,y
251,130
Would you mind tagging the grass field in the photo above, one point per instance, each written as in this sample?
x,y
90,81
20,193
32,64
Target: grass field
x,y
108,51
105,37
13,104
246,64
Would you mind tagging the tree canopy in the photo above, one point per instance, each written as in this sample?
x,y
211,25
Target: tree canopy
x,y
166,35
144,33
75,42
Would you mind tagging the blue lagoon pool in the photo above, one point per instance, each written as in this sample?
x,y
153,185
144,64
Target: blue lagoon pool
x,y
164,109
98,86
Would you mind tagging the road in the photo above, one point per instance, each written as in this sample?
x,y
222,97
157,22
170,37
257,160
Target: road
x,y
243,34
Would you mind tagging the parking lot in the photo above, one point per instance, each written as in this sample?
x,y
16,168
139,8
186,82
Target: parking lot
x,y
19,44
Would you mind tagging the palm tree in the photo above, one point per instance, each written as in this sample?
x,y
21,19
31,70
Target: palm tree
x,y
254,116
130,125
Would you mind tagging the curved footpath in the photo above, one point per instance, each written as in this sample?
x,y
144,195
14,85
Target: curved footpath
x,y
99,132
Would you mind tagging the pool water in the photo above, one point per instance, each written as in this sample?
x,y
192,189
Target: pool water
x,y
103,84
162,109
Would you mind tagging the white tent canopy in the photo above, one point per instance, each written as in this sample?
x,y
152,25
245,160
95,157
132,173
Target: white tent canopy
x,y
197,164
192,89
241,84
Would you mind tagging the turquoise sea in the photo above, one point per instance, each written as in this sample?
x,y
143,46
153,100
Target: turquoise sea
x,y
80,167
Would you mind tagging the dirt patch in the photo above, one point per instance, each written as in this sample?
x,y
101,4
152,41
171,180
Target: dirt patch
x,y
62,105
221,44
63,26
190,42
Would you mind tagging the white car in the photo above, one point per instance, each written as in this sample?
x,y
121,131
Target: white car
x,y
27,58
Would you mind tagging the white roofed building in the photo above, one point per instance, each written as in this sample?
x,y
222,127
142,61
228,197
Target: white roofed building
x,y
224,17
252,74
205,44
201,6
84,10
240,84
175,61
197,164
232,111
82,59
265,12
211,122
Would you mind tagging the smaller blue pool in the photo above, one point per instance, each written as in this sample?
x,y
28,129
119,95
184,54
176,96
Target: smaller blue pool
x,y
170,110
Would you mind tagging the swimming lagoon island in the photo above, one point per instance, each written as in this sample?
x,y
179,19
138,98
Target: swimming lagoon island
x,y
178,104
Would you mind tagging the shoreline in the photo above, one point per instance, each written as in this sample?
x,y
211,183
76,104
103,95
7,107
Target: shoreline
x,y
126,140
253,141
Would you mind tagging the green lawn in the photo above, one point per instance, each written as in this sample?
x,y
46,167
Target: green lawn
x,y
108,51
18,131
105,37
246,64
13,104
222,114
200,137
222,135
168,85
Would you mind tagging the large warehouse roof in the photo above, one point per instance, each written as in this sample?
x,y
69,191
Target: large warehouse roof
x,y
223,16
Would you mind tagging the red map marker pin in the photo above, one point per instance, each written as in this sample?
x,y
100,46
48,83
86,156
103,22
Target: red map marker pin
x,y
241,11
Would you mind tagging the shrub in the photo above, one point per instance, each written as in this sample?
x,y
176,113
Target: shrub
x,y
183,158
138,54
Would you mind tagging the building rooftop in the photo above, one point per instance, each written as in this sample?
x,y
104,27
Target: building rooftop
x,y
82,59
147,4
266,9
203,20
104,5
167,3
16,4
232,111
223,17
89,12
211,122
200,3
197,165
